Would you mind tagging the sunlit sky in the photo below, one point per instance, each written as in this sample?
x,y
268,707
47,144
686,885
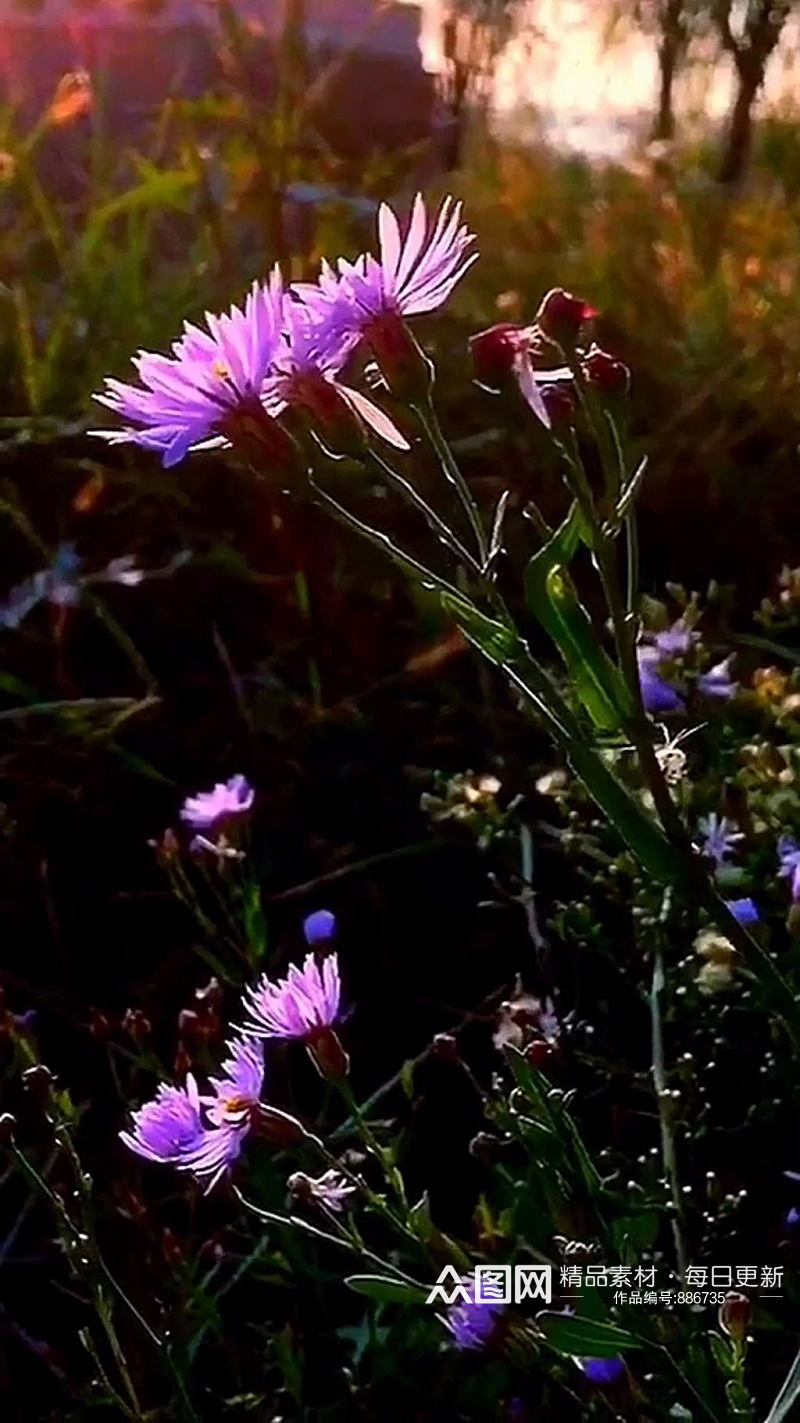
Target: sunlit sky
x,y
583,89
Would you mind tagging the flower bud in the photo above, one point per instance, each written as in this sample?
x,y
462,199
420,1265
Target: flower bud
x,y
446,1046
99,1025
8,1125
319,927
403,364
279,1128
328,1055
38,1082
734,1315
493,353
263,442
483,1146
137,1026
559,404
605,373
539,1053
561,316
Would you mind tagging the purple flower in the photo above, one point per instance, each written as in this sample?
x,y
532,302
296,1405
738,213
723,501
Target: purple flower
x,y
211,378
603,1371
789,863
471,1322
169,1127
745,911
319,928
208,808
675,640
229,1111
302,1005
792,1218
719,838
331,1189
657,695
368,299
304,376
415,273
716,682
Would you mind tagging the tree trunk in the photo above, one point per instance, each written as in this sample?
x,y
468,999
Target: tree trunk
x,y
738,139
664,124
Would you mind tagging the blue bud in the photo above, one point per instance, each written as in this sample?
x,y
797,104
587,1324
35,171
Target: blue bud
x,y
319,927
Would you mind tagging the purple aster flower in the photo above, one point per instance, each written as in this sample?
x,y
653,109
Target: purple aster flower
x,y
319,928
675,640
603,1371
716,682
745,911
227,799
302,1005
368,299
472,1322
331,1189
169,1127
792,1218
304,376
789,863
657,695
212,380
719,838
230,1109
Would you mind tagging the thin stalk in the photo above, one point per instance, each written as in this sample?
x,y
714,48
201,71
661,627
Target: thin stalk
x,y
668,1154
429,421
413,497
393,1178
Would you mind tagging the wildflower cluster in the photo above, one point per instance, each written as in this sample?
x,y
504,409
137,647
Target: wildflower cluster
x,y
204,1133
283,353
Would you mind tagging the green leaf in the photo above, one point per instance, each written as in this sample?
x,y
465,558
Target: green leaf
x,y
650,846
585,1338
387,1291
496,641
550,595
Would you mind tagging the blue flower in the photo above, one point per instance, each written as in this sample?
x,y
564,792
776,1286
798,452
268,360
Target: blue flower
x,y
745,911
657,695
471,1322
789,863
718,837
603,1371
716,682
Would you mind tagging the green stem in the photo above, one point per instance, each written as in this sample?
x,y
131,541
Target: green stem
x,y
429,421
668,1154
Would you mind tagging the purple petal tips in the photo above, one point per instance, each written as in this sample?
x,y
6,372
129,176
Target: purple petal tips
x,y
300,1006
211,376
227,799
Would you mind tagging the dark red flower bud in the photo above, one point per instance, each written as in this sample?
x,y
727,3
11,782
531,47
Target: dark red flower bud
x,y
8,1125
403,364
493,353
446,1046
328,1055
277,1127
99,1025
561,316
734,1315
38,1081
559,404
262,441
605,373
189,1025
539,1053
483,1146
137,1025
